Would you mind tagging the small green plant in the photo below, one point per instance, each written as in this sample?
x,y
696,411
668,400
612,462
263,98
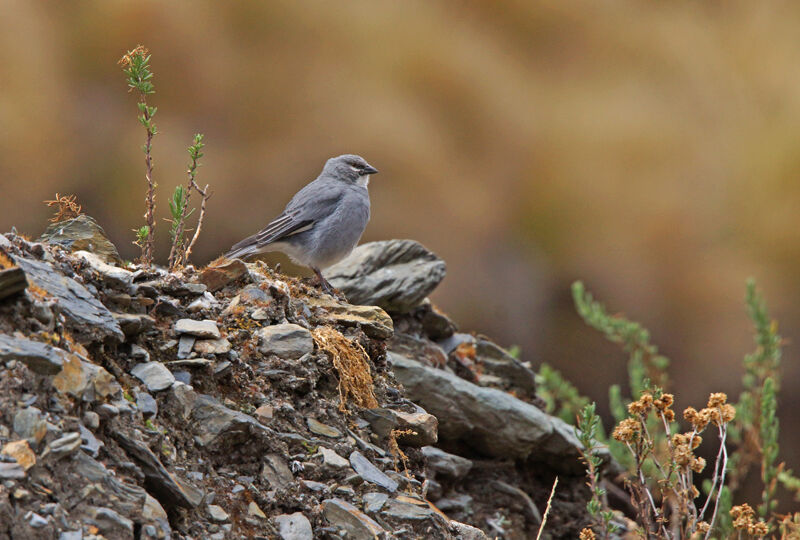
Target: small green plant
x,y
136,66
560,396
178,206
588,429
150,425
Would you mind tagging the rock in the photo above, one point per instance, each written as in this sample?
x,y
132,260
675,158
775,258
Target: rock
x,y
146,404
30,424
260,314
287,341
89,443
264,413
99,382
91,420
332,459
322,429
11,471
206,301
202,329
254,510
35,520
216,513
496,361
216,276
419,349
110,523
154,513
39,357
405,510
124,497
374,501
254,295
72,379
466,532
276,472
86,317
486,419
81,233
375,322
212,346
394,274
21,452
294,527
370,472
12,281
185,345
459,504
223,368
449,465
214,424
114,275
166,487
345,516
424,426
133,324
64,446
435,324
154,375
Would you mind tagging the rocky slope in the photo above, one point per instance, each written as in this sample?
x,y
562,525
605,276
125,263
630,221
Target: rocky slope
x,y
236,402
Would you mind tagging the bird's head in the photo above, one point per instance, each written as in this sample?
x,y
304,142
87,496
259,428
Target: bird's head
x,y
351,168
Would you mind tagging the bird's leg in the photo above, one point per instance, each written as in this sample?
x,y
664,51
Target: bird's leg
x,y
323,282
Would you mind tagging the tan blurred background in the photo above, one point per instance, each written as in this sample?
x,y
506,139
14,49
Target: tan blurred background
x,y
651,149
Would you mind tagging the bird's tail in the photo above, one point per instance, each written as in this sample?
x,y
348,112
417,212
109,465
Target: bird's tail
x,y
244,249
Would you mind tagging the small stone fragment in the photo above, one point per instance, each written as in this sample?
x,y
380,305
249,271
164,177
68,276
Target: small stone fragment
x,y
217,276
216,513
332,459
35,520
11,471
254,510
20,451
344,515
146,403
81,232
294,527
91,420
405,510
39,357
449,465
370,472
30,424
154,375
288,341
202,329
264,413
374,501
65,445
212,346
114,275
325,430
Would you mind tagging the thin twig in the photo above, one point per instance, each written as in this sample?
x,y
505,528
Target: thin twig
x,y
205,194
547,510
723,431
150,203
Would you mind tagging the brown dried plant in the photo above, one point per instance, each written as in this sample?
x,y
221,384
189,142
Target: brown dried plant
x,y
67,207
351,363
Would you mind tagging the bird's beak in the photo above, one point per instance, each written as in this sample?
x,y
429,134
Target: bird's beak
x,y
369,169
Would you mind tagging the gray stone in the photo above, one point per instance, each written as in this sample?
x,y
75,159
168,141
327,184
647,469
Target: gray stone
x,y
344,515
486,419
91,420
424,427
166,486
206,301
212,346
446,464
214,424
30,424
146,403
35,520
374,501
12,281
114,275
370,472
394,274
493,360
154,513
466,532
216,513
11,471
90,444
288,341
253,294
397,509
133,324
315,426
375,322
139,353
202,329
65,445
460,503
40,357
185,345
217,276
154,375
109,522
86,317
294,527
276,472
71,535
332,459
79,233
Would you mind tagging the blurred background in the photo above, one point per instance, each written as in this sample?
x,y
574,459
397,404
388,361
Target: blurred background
x,y
650,149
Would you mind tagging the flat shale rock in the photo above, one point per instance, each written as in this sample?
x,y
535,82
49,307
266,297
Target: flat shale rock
x,y
344,515
288,341
396,275
154,375
81,233
375,322
294,527
40,357
201,329
87,318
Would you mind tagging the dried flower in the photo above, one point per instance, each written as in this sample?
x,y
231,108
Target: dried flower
x,y
664,402
698,464
627,430
717,400
587,534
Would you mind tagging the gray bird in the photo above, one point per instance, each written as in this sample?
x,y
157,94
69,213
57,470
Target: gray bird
x,y
323,222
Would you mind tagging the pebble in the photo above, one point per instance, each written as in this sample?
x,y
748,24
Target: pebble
x,y
254,510
185,345
331,458
91,420
154,375
35,520
374,501
217,514
11,471
202,329
370,472
294,527
322,429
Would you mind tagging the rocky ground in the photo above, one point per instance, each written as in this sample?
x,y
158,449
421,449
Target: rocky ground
x,y
236,402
